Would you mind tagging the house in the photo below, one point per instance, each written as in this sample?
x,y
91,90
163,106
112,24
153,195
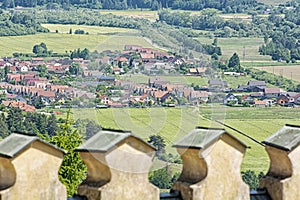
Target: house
x,y
198,97
162,96
231,100
50,95
261,104
120,61
36,60
176,61
201,70
30,164
272,92
79,60
285,100
109,152
105,99
107,79
14,77
256,86
129,47
157,82
24,69
242,88
193,71
217,85
297,99
207,155
22,106
147,57
247,98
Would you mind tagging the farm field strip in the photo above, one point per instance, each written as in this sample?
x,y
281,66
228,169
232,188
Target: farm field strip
x,y
173,123
288,71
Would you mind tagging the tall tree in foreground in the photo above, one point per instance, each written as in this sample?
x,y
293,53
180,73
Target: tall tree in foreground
x,y
72,171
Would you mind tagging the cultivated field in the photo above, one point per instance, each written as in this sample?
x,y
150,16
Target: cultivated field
x,y
174,123
288,71
99,38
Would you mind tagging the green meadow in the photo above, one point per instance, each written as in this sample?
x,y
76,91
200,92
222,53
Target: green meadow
x,y
246,48
140,78
173,123
99,38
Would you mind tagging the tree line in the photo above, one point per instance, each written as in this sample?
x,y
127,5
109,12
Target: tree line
x,y
227,6
19,23
282,42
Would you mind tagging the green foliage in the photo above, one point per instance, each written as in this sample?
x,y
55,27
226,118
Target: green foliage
x,y
19,23
225,6
161,178
75,68
252,179
41,50
4,132
158,142
85,53
72,171
87,127
234,64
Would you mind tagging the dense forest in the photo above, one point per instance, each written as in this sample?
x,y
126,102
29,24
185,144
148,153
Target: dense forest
x,y
227,6
19,24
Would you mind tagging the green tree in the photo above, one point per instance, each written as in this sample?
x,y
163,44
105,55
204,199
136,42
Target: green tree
x,y
234,63
158,142
4,132
43,71
161,178
15,120
40,49
252,179
75,68
52,127
72,171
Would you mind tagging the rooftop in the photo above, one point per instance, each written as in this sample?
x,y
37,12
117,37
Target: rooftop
x,y
287,138
106,139
201,137
16,143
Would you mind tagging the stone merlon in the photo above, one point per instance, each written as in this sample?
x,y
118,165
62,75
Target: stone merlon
x,y
118,164
29,168
283,178
211,166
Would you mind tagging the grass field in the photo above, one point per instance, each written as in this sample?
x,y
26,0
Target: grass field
x,y
232,81
246,48
197,80
99,38
146,14
288,71
174,123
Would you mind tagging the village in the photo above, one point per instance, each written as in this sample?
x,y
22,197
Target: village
x,y
37,83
